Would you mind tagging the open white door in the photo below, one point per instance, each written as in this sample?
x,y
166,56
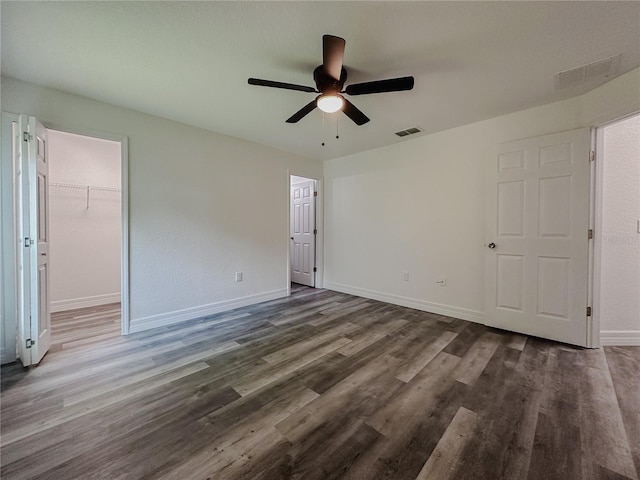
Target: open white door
x,y
34,242
303,233
537,236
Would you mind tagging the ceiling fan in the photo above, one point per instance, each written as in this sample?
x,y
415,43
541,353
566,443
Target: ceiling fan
x,y
330,78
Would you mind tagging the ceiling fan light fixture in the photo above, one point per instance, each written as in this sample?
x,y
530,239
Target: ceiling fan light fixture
x,y
330,103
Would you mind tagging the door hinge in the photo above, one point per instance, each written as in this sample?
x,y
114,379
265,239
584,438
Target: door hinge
x,y
30,343
592,156
588,311
28,241
315,194
590,234
27,137
315,231
315,269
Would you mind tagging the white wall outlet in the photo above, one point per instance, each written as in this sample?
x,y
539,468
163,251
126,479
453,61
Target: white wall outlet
x,y
442,281
405,276
238,276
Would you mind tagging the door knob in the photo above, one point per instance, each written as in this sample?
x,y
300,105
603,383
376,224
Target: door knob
x,y
44,254
291,238
492,245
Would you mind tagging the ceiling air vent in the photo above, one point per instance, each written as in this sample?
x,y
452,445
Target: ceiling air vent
x,y
408,131
600,69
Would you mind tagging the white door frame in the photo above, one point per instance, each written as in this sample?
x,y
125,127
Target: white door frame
x,y
9,254
596,218
319,216
124,210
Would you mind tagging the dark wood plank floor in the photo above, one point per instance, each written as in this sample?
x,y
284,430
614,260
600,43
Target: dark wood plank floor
x,y
320,385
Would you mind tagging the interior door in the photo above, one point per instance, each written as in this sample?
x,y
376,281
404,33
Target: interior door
x,y
537,236
303,233
35,241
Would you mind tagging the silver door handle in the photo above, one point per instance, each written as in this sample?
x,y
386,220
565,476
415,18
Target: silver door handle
x,y
492,245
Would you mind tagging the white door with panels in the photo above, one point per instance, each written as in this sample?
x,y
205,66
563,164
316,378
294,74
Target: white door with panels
x,y
537,236
34,242
303,233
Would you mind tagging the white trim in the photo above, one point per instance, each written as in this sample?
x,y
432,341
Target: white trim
x,y
83,302
598,172
627,338
320,235
124,206
288,230
124,260
191,313
593,286
8,246
437,308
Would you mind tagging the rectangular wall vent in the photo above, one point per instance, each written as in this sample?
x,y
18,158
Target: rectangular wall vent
x,y
408,131
600,69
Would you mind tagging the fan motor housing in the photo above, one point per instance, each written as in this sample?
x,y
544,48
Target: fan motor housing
x,y
327,84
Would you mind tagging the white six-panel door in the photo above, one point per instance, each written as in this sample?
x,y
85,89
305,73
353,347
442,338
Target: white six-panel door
x,y
537,236
303,240
35,241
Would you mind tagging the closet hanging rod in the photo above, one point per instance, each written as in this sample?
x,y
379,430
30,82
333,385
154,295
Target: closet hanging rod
x,y
86,188
83,187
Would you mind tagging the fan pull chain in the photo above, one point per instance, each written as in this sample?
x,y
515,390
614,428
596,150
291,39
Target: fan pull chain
x,y
337,121
323,128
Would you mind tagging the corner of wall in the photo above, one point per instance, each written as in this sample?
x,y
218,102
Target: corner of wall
x,y
613,100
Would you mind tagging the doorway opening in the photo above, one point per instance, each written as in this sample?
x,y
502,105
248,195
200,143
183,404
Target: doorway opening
x,y
303,231
85,215
617,233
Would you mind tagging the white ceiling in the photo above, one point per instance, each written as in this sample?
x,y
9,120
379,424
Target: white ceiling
x,y
189,61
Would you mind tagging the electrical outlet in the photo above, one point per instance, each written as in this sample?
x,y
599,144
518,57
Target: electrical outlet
x,y
238,276
405,276
442,281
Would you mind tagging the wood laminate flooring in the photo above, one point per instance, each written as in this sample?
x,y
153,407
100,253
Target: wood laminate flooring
x,y
84,325
320,385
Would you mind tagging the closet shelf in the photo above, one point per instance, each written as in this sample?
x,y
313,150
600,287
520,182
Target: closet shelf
x,y
87,188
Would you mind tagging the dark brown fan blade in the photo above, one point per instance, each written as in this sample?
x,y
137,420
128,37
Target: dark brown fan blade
x,y
353,113
286,86
381,86
308,108
332,55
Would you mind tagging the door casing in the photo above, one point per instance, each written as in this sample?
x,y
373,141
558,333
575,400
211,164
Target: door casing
x,y
319,219
11,215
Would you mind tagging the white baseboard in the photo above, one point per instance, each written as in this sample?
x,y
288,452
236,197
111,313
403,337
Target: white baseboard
x,y
627,338
73,303
177,316
437,308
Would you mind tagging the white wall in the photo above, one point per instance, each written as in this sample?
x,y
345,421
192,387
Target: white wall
x,y
619,235
85,242
418,206
201,206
